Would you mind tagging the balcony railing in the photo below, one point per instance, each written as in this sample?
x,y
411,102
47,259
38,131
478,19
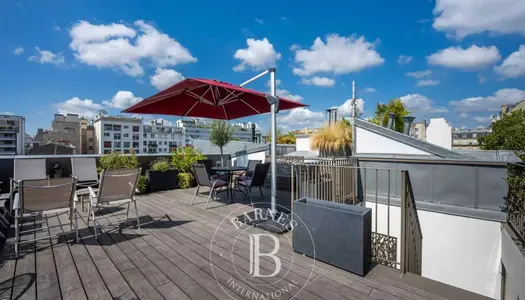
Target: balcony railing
x,y
515,200
399,247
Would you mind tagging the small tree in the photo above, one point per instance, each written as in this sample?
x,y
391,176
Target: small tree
x,y
508,133
393,106
221,134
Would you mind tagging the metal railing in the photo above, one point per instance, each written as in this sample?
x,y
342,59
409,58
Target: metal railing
x,y
411,235
515,200
355,185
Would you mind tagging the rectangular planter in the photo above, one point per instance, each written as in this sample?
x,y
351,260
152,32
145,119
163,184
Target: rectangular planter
x,y
341,233
162,181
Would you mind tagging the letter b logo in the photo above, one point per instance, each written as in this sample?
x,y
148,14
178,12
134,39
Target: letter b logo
x,y
255,254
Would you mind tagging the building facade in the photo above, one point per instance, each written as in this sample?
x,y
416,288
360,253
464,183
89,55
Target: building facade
x,y
87,138
467,139
117,134
65,130
418,130
12,135
508,108
200,129
159,137
439,133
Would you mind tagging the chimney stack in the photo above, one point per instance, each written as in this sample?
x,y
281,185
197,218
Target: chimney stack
x,y
391,120
331,115
408,121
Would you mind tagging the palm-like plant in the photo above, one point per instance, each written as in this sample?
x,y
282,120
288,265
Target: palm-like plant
x,y
333,140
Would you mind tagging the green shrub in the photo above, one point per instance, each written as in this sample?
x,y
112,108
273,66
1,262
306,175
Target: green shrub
x,y
183,158
161,164
184,180
118,161
142,185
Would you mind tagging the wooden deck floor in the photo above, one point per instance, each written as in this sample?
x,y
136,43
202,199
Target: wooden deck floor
x,y
169,258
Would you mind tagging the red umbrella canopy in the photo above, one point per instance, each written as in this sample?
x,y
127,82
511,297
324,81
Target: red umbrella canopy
x,y
205,98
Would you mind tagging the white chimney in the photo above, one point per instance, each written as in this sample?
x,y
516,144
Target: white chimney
x,y
439,133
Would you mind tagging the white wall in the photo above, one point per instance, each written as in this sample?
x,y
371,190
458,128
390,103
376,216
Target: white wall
x,y
243,159
514,262
439,132
370,142
303,143
459,251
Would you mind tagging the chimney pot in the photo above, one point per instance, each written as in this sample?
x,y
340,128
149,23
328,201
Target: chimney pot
x,y
391,118
408,121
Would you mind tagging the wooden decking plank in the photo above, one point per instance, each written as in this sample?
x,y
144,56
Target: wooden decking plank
x,y
171,291
47,283
25,264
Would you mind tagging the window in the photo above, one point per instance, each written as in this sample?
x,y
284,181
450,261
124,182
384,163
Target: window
x,y
136,137
136,129
106,133
126,145
464,136
116,136
107,151
108,127
117,144
145,135
126,151
136,145
126,135
416,129
165,143
137,151
474,135
107,144
152,135
144,143
126,126
145,150
117,128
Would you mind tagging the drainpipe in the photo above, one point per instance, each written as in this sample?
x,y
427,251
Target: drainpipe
x,y
408,121
391,118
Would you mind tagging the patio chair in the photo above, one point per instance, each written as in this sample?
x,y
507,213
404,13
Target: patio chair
x,y
85,169
203,179
257,180
251,168
117,188
25,169
44,197
208,163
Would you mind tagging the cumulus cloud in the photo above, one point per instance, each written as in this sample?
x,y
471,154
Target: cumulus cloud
x,y
420,104
165,78
419,74
481,78
483,119
259,54
86,108
18,50
514,65
286,94
473,58
6,113
427,82
369,90
319,81
122,100
404,59
301,117
126,48
338,55
462,18
345,110
489,103
47,57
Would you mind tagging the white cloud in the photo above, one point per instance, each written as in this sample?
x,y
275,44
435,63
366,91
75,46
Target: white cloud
x,y
260,54
481,119
472,58
47,57
420,104
86,108
286,94
463,115
419,74
122,100
466,17
427,82
339,55
369,90
345,110
18,50
277,82
481,78
489,103
121,47
57,28
300,118
259,21
514,65
319,81
404,59
164,78
6,113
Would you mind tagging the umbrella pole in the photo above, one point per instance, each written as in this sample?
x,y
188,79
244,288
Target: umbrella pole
x,y
274,141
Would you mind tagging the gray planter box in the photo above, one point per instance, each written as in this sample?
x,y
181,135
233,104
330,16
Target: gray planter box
x,y
342,233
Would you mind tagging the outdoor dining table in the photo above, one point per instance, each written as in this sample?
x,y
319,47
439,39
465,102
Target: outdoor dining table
x,y
229,170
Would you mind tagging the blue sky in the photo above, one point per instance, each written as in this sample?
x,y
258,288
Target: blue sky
x,y
455,59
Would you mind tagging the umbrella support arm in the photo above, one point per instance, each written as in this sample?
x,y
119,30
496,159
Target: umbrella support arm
x,y
274,109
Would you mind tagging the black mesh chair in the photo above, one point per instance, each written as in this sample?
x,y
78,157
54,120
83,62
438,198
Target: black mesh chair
x,y
208,163
257,180
251,168
203,179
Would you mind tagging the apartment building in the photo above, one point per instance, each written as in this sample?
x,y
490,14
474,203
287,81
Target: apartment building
x,y
118,134
65,130
87,137
161,137
12,135
418,130
466,138
508,108
200,129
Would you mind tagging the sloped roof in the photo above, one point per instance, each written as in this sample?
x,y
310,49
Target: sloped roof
x,y
412,142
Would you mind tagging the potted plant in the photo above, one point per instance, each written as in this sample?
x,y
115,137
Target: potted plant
x,y
161,176
182,160
334,140
119,161
221,134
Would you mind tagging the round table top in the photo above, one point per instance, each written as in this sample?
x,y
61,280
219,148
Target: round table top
x,y
229,168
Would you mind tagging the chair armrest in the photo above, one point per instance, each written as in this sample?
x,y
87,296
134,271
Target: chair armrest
x,y
92,192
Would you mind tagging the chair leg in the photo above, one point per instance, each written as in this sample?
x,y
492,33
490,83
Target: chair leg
x,y
92,209
17,237
260,190
137,213
194,195
250,197
76,226
127,212
209,196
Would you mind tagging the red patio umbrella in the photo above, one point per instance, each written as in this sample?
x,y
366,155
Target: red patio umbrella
x,y
205,98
